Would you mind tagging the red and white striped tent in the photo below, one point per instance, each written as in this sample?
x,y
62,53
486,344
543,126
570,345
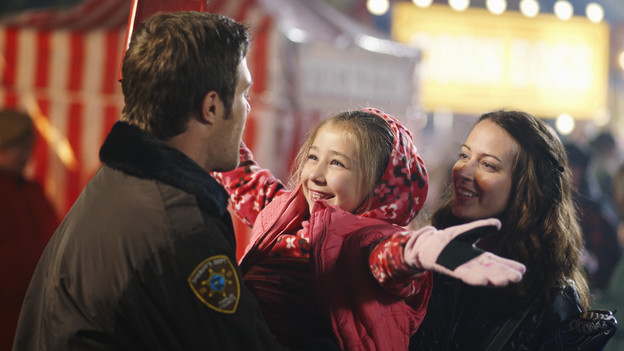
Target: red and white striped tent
x,y
63,67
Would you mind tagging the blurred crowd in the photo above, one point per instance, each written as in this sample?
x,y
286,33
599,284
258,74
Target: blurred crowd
x,y
598,170
595,167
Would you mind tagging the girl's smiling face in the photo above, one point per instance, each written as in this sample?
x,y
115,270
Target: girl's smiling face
x,y
332,172
482,175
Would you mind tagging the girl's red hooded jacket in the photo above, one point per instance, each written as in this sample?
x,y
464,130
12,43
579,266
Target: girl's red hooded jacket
x,y
363,315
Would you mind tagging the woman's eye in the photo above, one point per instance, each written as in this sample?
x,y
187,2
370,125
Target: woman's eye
x,y
489,166
312,157
462,156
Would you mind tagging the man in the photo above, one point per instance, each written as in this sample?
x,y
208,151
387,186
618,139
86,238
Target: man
x,y
27,219
145,259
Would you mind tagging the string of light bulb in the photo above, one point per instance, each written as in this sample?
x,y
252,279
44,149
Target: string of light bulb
x,y
563,9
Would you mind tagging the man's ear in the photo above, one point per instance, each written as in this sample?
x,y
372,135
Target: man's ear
x,y
212,107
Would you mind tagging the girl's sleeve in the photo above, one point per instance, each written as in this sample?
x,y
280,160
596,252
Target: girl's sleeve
x,y
388,266
250,187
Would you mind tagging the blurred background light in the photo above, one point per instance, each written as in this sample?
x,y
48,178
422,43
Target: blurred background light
x,y
496,7
297,35
459,5
529,8
565,124
602,117
422,3
594,12
377,7
563,9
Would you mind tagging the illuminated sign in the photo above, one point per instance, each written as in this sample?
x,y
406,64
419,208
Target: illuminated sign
x,y
352,77
474,61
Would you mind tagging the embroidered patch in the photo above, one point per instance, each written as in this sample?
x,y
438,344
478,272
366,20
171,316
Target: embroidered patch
x,y
215,283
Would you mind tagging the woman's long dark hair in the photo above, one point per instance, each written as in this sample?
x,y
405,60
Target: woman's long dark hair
x,y
539,223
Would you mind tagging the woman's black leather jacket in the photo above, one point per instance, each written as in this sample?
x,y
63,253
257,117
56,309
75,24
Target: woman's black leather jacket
x,y
460,317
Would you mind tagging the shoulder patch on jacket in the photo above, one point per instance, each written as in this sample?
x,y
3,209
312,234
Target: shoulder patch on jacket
x,y
215,283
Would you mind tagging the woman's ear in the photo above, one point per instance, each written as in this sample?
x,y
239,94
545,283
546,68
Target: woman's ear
x,y
212,107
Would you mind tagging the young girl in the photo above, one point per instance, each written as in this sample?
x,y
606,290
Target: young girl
x,y
313,249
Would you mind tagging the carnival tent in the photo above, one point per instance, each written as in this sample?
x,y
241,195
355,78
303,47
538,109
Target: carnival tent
x,y
307,60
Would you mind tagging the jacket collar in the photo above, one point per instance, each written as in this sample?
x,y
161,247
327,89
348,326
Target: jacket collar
x,y
135,152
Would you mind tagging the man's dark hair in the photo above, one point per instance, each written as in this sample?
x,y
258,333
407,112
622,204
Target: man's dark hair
x,y
173,60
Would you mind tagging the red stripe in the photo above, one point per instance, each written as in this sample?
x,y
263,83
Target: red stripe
x,y
10,56
260,53
73,182
76,59
10,99
111,115
112,62
242,12
215,6
259,56
41,148
42,67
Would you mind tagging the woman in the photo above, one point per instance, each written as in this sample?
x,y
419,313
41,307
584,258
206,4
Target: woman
x,y
512,167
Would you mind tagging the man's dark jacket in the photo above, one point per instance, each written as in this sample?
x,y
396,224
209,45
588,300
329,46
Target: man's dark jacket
x,y
144,260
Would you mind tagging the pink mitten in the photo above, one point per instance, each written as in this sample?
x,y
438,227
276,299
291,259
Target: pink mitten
x,y
451,251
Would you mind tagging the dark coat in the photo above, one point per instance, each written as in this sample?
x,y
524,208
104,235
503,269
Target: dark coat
x,y
27,221
144,260
459,318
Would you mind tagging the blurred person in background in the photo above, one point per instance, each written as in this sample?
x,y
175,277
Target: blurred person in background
x,y
613,297
27,219
512,167
604,163
618,195
146,257
602,251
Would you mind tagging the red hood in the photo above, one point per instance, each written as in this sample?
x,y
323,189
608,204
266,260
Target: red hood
x,y
403,188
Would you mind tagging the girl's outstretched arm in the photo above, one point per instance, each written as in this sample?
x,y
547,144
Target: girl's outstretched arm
x,y
398,261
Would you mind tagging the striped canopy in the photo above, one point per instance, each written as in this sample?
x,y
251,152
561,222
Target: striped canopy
x,y
63,67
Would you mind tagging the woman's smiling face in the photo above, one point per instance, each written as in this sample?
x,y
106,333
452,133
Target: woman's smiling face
x,y
482,175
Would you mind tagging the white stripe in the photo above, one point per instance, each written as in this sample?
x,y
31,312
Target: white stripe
x,y
94,61
57,173
122,39
60,45
94,56
27,54
93,117
59,60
